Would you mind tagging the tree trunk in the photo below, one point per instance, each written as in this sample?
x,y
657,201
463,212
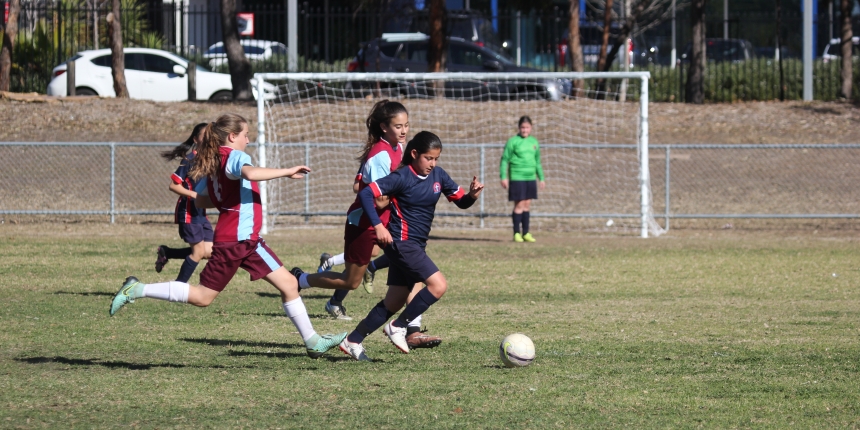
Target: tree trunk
x,y
601,59
240,66
117,65
626,30
696,70
438,43
847,46
577,63
8,43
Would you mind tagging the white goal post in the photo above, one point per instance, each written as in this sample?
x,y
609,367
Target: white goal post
x,y
594,147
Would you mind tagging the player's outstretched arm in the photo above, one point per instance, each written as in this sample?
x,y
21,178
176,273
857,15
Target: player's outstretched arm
x,y
253,173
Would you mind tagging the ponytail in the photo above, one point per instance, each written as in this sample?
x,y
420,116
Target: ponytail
x,y
422,143
182,149
215,134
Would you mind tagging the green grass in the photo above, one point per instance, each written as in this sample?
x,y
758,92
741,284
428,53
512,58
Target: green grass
x,y
729,330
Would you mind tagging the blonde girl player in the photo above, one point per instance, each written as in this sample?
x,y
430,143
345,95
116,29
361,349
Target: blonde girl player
x,y
520,169
387,127
414,190
194,227
230,180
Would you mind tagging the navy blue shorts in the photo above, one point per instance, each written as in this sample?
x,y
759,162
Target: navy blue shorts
x,y
522,190
410,264
196,233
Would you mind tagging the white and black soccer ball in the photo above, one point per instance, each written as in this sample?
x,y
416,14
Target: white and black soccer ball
x,y
517,350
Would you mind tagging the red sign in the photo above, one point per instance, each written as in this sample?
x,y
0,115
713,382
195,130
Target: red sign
x,y
6,13
245,21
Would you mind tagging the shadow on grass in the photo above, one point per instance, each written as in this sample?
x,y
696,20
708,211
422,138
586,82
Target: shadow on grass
x,y
304,296
466,239
233,342
331,356
112,364
281,315
95,293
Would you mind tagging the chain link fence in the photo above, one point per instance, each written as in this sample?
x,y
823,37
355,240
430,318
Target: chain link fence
x,y
584,182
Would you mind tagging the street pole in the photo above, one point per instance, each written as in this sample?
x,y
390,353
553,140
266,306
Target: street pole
x,y
292,35
807,50
673,57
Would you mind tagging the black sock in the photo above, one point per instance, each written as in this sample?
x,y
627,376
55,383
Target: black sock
x,y
518,219
187,269
412,329
176,253
338,296
380,263
525,222
419,304
375,319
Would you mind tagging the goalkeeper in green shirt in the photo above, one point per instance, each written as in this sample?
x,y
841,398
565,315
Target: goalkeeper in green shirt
x,y
521,174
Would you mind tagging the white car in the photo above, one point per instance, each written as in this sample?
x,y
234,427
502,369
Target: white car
x,y
255,50
833,50
150,74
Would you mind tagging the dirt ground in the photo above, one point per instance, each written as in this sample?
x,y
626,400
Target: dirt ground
x,y
112,120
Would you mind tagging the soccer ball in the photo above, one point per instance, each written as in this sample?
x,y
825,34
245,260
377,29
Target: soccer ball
x,y
517,350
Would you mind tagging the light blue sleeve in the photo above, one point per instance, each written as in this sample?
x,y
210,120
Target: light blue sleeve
x,y
235,162
201,187
376,168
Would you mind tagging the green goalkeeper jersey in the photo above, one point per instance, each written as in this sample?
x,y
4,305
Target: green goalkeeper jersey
x,y
522,158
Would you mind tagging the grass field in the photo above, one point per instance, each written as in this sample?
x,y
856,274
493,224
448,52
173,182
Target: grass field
x,y
714,329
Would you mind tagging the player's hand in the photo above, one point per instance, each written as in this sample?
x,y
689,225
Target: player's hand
x,y
297,172
541,185
475,188
504,184
383,237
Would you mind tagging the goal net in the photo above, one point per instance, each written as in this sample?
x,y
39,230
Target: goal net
x,y
593,143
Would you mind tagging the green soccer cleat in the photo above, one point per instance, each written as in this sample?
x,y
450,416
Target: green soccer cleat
x,y
518,238
125,295
528,238
367,281
321,344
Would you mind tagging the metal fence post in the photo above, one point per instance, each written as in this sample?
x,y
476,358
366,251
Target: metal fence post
x,y
668,181
483,151
70,78
307,184
112,182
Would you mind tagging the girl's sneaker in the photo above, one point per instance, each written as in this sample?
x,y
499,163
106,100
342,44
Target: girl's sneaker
x,y
528,238
518,237
354,350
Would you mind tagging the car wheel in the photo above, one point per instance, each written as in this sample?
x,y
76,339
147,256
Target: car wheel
x,y
222,97
86,92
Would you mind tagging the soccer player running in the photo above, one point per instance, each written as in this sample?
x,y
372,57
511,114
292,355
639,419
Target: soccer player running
x,y
522,157
226,172
414,190
194,227
387,127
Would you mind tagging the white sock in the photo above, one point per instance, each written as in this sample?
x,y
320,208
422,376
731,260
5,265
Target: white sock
x,y
337,260
171,291
416,322
295,309
303,281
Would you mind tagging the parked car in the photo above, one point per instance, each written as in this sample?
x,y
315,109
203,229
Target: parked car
x,y
408,53
255,50
150,74
734,50
833,50
468,25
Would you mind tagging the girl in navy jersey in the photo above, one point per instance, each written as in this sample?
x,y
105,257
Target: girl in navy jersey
x,y
414,189
230,180
194,227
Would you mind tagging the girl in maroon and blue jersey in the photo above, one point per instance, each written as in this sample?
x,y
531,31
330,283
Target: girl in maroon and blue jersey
x,y
414,189
230,181
194,227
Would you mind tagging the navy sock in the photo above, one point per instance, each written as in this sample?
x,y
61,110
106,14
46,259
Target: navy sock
x,y
419,304
176,253
375,319
525,222
187,269
518,219
338,296
380,263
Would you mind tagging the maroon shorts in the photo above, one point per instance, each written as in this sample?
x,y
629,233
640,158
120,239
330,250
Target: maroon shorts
x,y
358,244
227,257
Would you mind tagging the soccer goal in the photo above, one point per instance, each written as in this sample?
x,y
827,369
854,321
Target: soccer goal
x,y
593,141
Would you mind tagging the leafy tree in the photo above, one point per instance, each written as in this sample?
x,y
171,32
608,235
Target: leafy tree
x,y
8,43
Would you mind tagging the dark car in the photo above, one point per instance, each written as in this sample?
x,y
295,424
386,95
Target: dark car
x,y
469,25
407,53
718,50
